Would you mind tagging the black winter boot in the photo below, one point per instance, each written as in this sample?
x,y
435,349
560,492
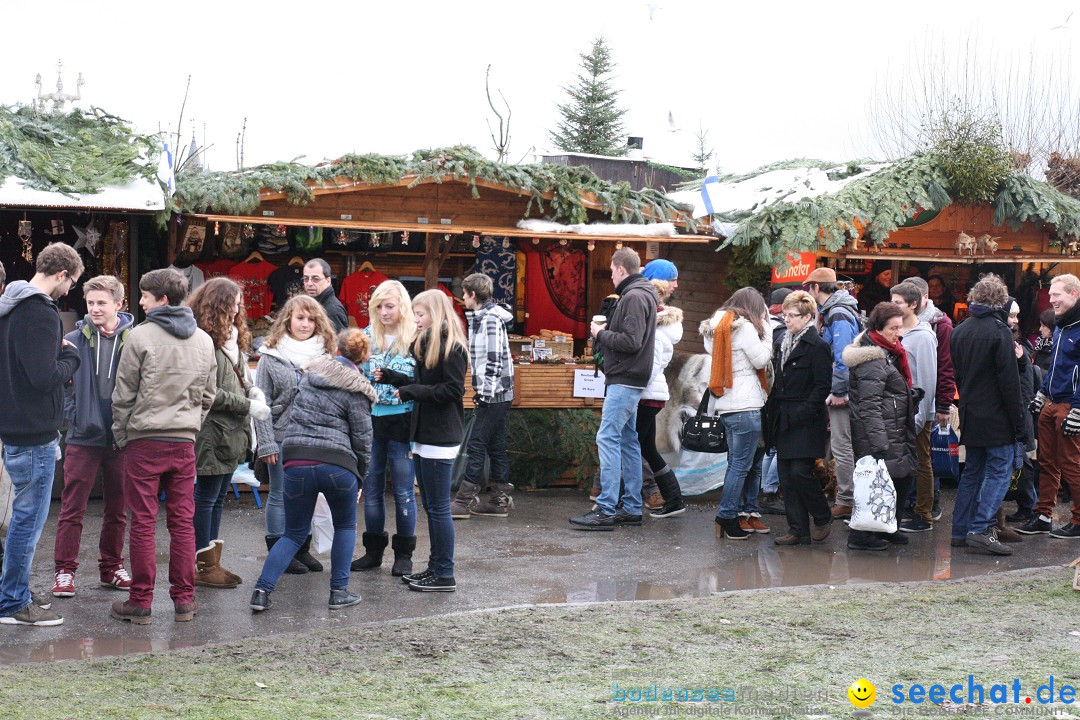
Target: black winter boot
x,y
403,549
295,567
672,494
304,555
374,545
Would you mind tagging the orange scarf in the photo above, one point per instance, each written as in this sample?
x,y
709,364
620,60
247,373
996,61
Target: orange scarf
x,y
720,377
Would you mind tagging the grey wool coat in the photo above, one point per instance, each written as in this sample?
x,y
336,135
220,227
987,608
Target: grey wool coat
x,y
279,380
330,418
882,408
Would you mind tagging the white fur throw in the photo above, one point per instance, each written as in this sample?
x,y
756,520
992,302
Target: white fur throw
x,y
651,230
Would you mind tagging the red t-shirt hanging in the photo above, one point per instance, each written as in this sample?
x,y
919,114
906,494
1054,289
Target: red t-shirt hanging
x,y
253,280
217,268
356,291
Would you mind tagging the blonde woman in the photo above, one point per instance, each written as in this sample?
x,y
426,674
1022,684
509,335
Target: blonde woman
x,y
437,427
301,333
390,333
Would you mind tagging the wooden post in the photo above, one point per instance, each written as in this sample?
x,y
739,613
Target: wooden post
x,y
436,253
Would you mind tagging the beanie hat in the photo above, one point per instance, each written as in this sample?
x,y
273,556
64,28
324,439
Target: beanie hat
x,y
660,269
879,267
779,295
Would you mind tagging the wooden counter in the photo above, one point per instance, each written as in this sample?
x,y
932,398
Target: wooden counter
x,y
543,386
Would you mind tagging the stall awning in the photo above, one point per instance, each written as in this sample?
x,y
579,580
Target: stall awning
x,y
138,195
446,229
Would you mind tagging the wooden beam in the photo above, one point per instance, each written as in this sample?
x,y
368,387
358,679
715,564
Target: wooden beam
x,y
432,261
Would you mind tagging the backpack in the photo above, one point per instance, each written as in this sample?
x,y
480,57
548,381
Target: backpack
x,y
859,318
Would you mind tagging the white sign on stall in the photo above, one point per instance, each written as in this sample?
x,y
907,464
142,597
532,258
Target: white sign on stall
x,y
588,383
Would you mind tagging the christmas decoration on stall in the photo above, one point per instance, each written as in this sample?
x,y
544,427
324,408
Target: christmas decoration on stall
x,y
26,231
114,254
89,237
405,238
476,241
56,227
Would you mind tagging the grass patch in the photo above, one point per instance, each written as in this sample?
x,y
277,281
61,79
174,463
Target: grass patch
x,y
560,662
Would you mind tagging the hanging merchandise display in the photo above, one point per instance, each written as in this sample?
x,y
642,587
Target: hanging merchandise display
x,y
554,298
274,239
236,238
252,276
498,261
89,237
308,240
216,268
286,282
56,227
356,292
114,252
26,231
194,238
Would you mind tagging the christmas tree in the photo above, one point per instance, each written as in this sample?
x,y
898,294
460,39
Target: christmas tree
x,y
591,117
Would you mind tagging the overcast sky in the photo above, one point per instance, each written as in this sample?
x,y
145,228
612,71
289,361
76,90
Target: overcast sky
x,y
768,80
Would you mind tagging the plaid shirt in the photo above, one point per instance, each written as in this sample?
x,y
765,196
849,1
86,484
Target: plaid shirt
x,y
489,352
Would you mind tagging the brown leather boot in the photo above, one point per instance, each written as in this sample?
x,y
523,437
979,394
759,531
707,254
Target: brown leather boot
x,y
1003,531
219,546
208,572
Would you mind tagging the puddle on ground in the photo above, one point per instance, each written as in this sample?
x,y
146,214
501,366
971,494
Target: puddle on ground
x,y
771,566
89,648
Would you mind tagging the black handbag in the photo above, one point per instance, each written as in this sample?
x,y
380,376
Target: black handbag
x,y
704,432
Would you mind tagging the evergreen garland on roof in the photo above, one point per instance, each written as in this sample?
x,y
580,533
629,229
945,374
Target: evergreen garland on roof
x,y
1022,198
81,151
237,192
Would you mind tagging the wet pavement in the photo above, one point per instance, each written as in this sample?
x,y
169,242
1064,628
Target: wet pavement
x,y
532,557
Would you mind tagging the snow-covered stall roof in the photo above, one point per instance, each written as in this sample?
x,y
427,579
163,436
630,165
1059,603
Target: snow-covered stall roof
x,y
139,194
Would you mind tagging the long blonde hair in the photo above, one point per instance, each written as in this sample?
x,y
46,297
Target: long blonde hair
x,y
445,327
406,327
323,327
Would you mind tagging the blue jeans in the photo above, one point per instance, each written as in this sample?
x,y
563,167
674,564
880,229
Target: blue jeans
x,y
210,492
982,487
743,430
396,454
31,468
275,502
302,487
752,486
620,451
770,481
434,477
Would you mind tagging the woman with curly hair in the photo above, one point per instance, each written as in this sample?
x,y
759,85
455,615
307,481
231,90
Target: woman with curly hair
x,y
225,435
301,333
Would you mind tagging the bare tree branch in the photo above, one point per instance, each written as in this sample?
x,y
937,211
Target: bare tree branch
x,y
501,143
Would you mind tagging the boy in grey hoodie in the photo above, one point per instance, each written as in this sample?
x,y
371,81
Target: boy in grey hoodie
x,y
920,343
88,409
493,381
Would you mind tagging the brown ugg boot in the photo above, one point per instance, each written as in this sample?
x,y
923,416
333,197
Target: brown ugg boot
x,y
208,572
219,546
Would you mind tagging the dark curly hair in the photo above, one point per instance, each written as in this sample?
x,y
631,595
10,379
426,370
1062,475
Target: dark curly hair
x,y
211,303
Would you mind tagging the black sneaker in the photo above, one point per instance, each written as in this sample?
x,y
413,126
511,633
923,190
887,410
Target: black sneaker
x,y
260,600
342,599
1068,531
621,517
671,508
987,542
896,538
1035,526
771,504
915,525
865,541
1020,516
416,577
595,520
434,583
935,512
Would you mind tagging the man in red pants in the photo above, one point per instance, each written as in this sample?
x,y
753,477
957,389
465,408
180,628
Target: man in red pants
x,y
1058,405
99,338
165,385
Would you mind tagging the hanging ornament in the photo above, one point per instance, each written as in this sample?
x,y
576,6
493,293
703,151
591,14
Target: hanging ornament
x,y
536,241
341,238
476,241
249,232
618,245
56,227
591,245
26,231
405,238
562,242
89,237
217,228
506,243
375,240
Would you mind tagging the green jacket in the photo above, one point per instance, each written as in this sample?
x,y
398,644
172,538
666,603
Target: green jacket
x,y
225,436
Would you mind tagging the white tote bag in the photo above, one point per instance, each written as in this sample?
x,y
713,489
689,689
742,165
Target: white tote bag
x,y
322,527
875,497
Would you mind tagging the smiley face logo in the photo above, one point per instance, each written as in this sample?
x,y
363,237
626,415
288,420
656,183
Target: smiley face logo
x,y
862,693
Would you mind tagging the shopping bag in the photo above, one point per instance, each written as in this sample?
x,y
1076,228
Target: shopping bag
x,y
945,452
875,497
457,472
322,526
